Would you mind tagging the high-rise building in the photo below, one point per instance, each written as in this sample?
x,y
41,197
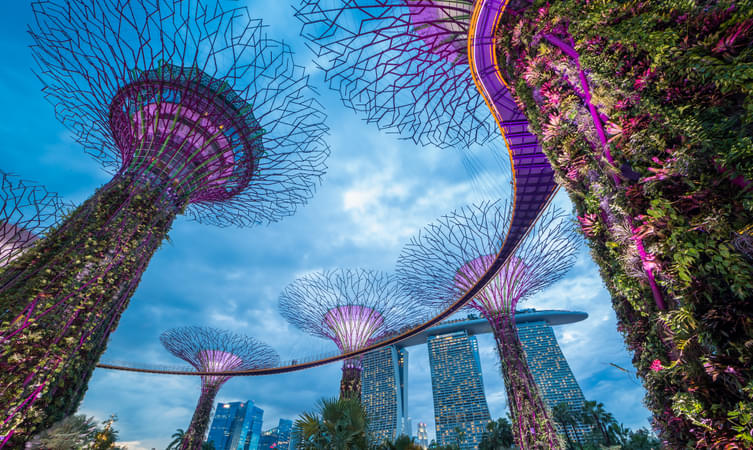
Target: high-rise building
x,y
422,437
550,369
384,392
278,437
460,409
236,426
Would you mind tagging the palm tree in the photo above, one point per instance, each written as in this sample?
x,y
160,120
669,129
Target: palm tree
x,y
562,414
595,414
72,432
339,424
177,439
459,436
498,435
403,442
619,432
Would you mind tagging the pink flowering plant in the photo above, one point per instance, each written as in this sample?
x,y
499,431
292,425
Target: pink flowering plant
x,y
645,111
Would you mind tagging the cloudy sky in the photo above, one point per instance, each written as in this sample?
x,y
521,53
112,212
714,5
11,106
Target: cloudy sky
x,y
378,191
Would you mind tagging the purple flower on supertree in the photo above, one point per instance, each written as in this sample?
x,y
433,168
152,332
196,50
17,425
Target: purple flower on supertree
x,y
352,307
194,110
26,212
212,350
449,256
403,64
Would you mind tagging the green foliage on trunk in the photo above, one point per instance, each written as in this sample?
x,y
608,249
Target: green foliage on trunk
x,y
671,81
60,301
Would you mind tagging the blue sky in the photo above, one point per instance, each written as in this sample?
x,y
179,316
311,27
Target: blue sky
x,y
377,192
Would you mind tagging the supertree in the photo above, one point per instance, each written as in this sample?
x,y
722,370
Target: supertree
x,y
449,256
351,307
424,69
212,350
645,115
27,211
195,111
643,111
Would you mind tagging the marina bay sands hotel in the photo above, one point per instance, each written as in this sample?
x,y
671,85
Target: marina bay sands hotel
x,y
457,385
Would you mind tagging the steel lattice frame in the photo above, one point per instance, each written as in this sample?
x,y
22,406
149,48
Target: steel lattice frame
x,y
403,65
212,350
195,111
352,307
27,210
447,257
390,58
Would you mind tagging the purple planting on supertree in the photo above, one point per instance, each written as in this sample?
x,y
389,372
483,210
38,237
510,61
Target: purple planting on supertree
x,y
352,307
194,111
403,65
449,256
27,210
212,350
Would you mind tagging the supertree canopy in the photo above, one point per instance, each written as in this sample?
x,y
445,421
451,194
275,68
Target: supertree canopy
x,y
352,307
27,211
213,350
449,256
194,111
403,64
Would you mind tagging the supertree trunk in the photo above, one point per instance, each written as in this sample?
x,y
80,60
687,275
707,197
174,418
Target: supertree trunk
x,y
194,436
649,144
60,301
350,383
534,429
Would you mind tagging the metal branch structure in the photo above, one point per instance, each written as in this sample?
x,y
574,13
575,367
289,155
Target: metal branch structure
x,y
195,111
27,210
403,65
427,69
449,256
352,307
213,350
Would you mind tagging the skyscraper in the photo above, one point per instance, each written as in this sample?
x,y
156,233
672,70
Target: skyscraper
x,y
278,437
458,389
550,369
236,426
384,392
422,437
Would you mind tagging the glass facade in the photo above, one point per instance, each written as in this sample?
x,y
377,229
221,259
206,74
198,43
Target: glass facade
x,y
550,369
458,389
278,437
236,426
422,437
384,392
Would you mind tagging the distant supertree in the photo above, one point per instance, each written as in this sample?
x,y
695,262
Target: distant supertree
x,y
448,257
26,212
194,111
403,64
351,307
212,350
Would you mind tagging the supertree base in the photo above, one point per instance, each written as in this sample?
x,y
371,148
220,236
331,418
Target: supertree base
x,y
350,383
60,301
194,436
533,427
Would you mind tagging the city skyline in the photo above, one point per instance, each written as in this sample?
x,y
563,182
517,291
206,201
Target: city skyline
x,y
371,201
